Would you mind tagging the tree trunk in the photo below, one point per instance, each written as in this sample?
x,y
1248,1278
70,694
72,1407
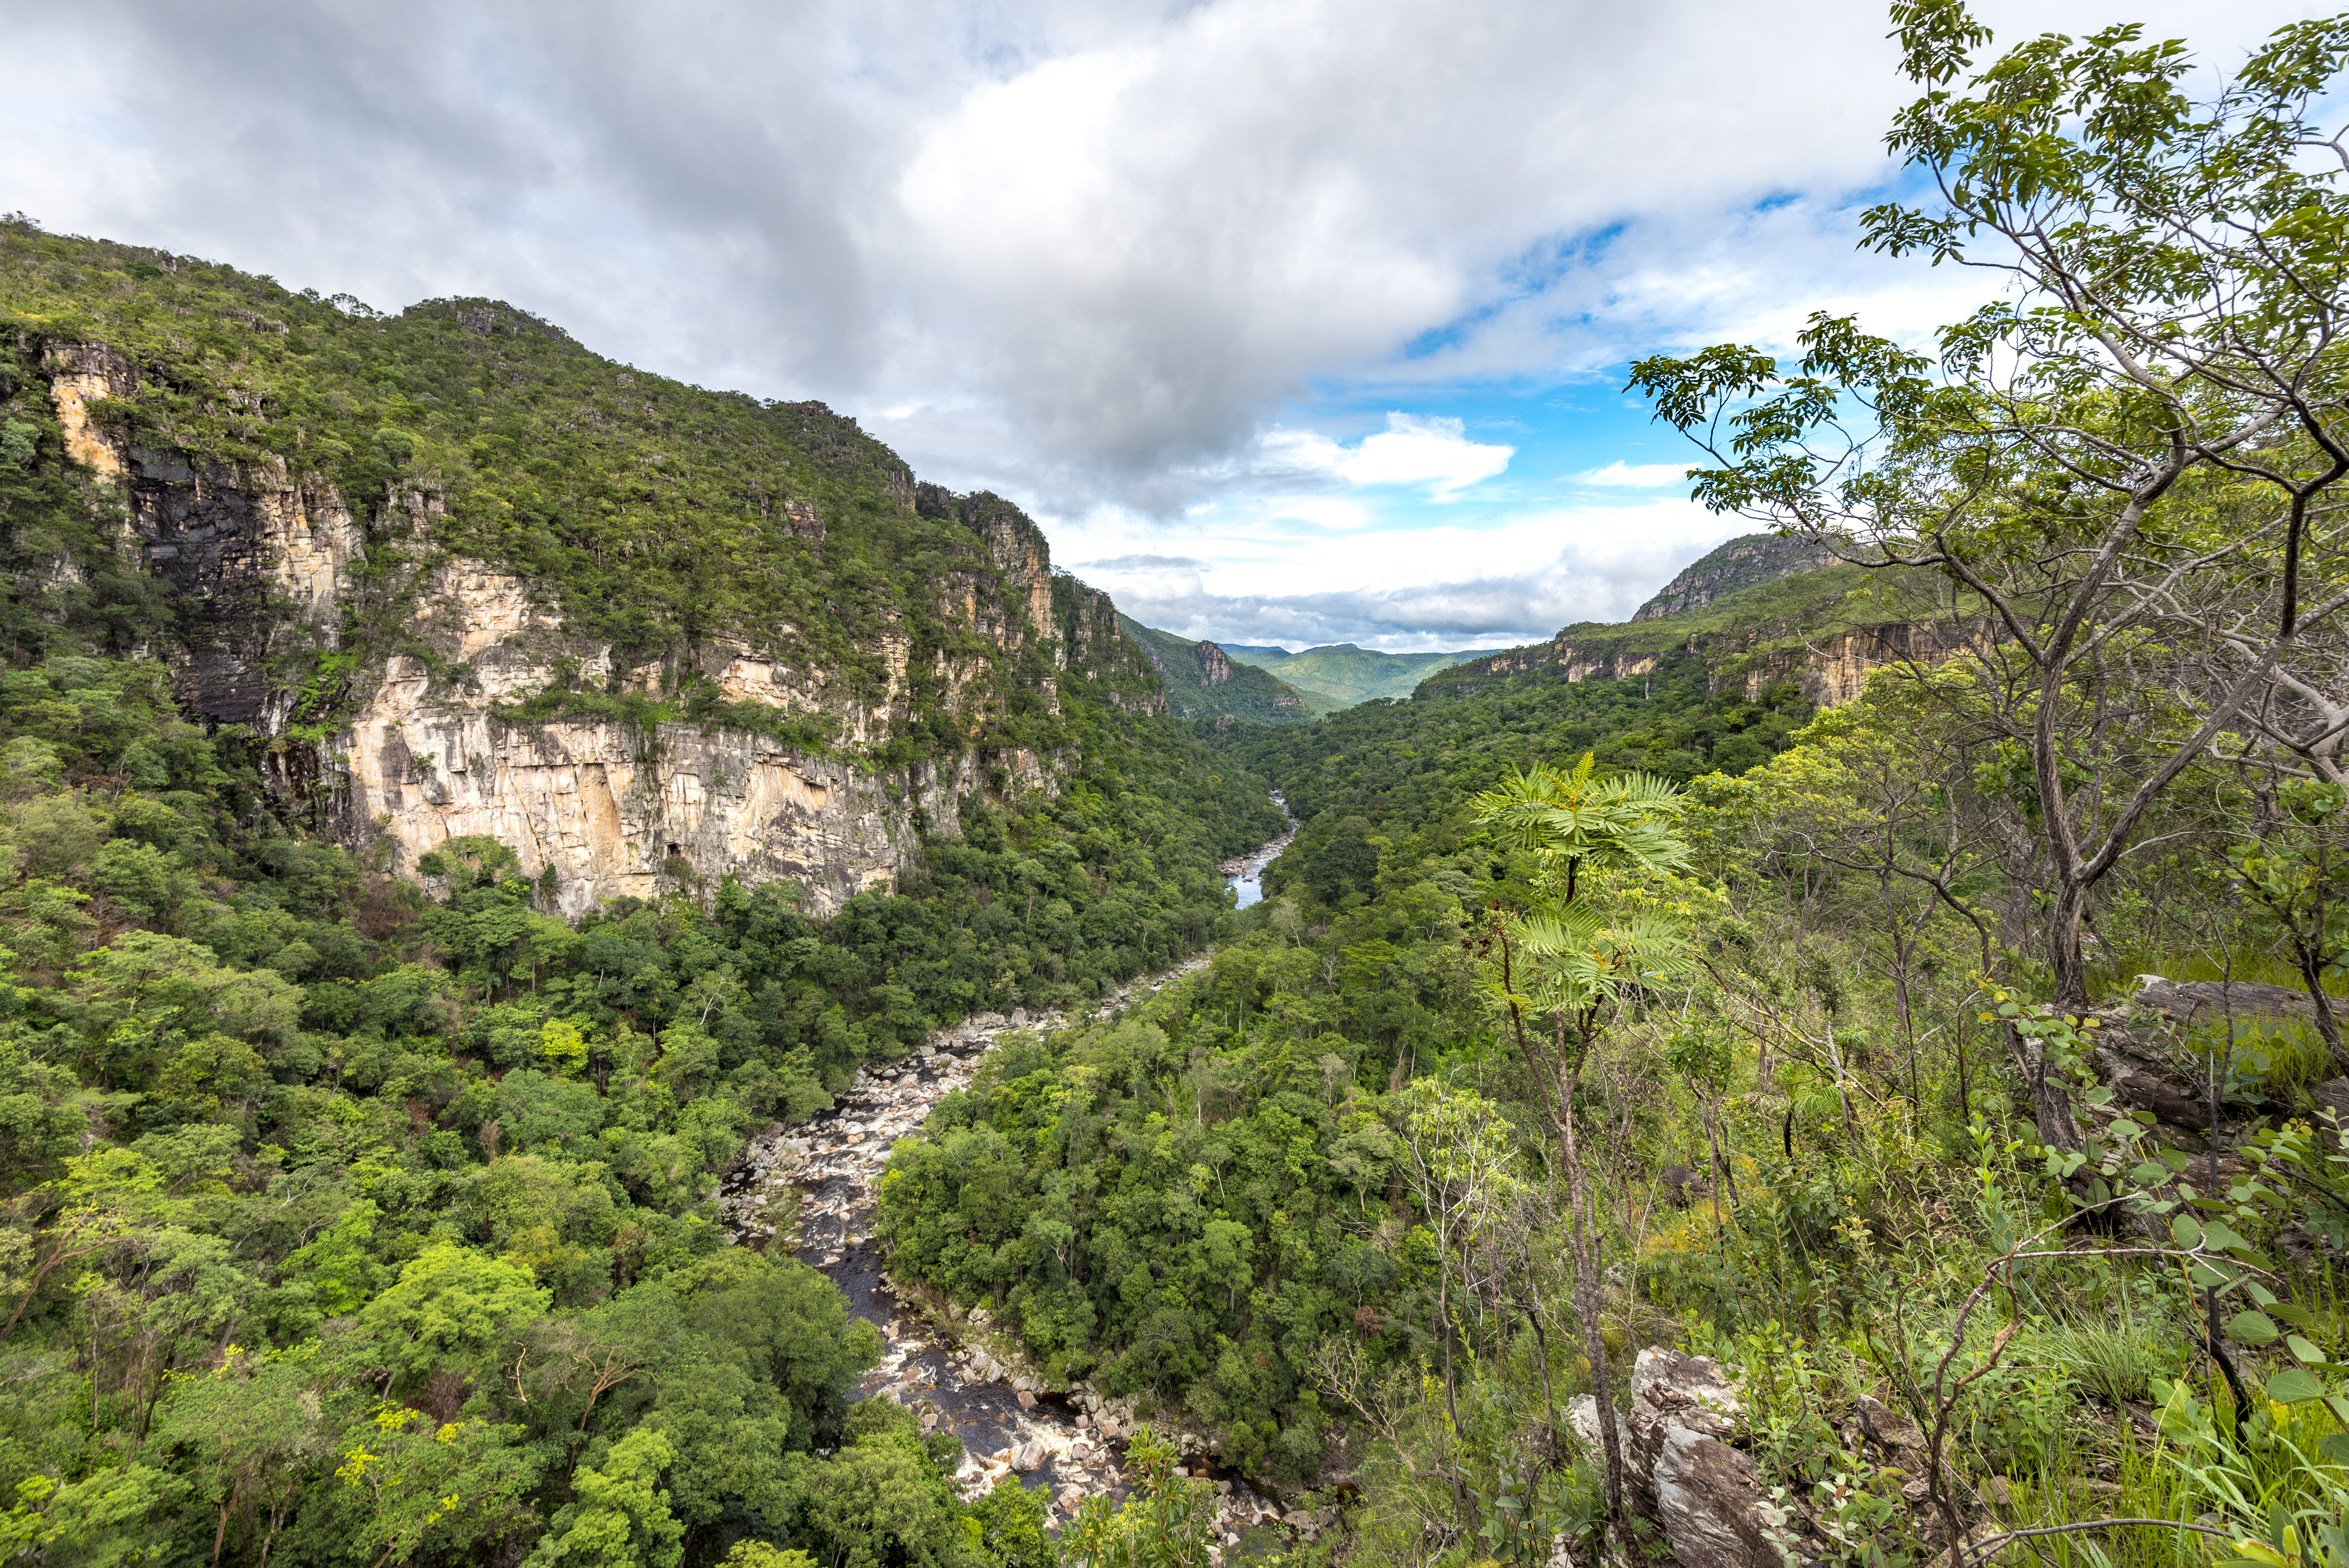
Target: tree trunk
x,y
2065,960
1460,1498
2311,975
1588,1297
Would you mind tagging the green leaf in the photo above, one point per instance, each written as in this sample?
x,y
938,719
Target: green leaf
x,y
2303,1351
2333,1446
2251,1328
2261,1295
2186,1231
2294,1386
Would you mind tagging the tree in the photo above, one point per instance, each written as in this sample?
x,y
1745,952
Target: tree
x,y
452,1310
1460,1148
1562,960
1168,1522
621,1517
2118,474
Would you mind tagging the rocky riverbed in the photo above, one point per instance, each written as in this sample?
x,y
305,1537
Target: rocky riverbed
x,y
1244,873
810,1189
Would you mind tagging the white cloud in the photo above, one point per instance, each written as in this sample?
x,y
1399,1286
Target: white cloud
x,y
1635,476
1435,451
1412,450
1458,585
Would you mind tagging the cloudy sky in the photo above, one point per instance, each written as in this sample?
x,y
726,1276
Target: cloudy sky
x,y
1294,321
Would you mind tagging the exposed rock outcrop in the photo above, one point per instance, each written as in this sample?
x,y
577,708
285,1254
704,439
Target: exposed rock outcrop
x,y
270,565
1740,563
1830,668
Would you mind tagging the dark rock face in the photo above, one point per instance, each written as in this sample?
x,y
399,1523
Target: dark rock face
x,y
1709,1500
1215,665
1740,563
1671,1392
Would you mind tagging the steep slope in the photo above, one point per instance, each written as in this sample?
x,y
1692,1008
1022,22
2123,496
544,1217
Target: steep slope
x,y
1821,630
1741,562
1347,674
455,574
1202,682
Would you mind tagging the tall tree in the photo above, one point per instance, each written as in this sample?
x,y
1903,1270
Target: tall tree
x,y
2124,463
1566,966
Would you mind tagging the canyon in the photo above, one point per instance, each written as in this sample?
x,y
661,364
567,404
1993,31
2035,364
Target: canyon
x,y
423,743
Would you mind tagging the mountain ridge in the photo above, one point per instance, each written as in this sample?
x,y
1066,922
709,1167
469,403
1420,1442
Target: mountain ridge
x,y
1348,674
455,574
1203,681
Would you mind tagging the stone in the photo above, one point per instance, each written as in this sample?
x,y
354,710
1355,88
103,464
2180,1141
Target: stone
x,y
1710,1500
1668,1391
2189,1000
1888,1428
1027,1400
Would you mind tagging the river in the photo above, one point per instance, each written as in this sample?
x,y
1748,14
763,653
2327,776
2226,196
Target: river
x,y
1244,874
811,1187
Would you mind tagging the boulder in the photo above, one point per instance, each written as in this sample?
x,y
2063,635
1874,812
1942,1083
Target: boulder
x,y
2208,1000
1709,1498
1670,1391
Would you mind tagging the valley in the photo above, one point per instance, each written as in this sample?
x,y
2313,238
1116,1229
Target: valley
x,y
600,974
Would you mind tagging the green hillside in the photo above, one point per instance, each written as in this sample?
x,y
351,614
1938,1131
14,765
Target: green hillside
x,y
1202,682
1769,624
1351,674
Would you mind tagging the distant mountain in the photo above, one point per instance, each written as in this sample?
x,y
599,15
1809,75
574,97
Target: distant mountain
x,y
1348,675
1743,563
1270,652
1202,681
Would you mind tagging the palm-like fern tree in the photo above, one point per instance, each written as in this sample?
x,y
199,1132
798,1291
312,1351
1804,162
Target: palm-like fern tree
x,y
1572,966
1623,823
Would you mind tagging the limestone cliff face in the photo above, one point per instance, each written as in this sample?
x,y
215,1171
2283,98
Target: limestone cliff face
x,y
1835,669
261,559
272,568
1215,665
1829,668
614,810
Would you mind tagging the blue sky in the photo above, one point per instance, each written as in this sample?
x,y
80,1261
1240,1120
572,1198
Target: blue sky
x,y
1292,321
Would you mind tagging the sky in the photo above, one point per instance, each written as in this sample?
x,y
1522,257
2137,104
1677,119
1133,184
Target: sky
x,y
1291,321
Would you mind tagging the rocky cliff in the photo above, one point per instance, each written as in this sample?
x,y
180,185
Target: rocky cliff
x,y
1743,563
1822,630
455,575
